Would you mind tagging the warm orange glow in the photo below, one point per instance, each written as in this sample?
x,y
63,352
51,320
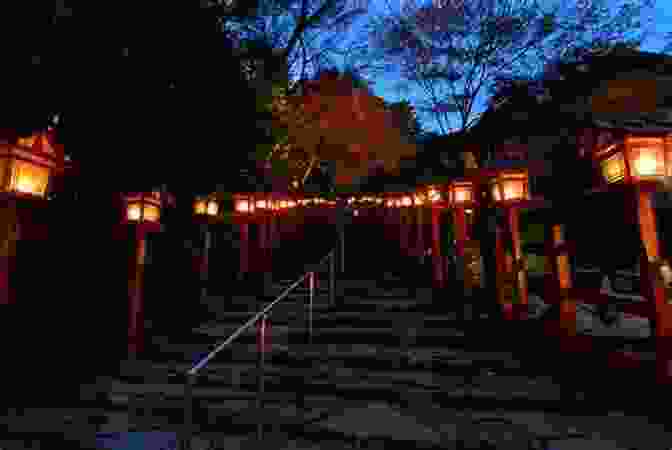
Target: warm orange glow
x,y
433,195
462,195
291,204
150,212
514,190
213,208
243,206
510,186
283,204
406,201
637,158
200,207
613,168
28,178
261,204
390,204
26,169
647,157
133,212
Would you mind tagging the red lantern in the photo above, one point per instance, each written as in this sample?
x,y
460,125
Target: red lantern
x,y
636,159
143,209
461,193
27,165
510,186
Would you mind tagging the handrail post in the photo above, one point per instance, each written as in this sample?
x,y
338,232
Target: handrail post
x,y
311,283
188,411
332,279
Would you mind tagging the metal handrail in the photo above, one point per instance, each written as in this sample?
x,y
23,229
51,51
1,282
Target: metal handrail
x,y
193,372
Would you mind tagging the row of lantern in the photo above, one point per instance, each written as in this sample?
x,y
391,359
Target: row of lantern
x,y
27,165
247,203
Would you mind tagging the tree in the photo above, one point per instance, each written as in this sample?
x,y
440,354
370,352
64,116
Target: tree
x,y
455,51
332,119
309,33
405,118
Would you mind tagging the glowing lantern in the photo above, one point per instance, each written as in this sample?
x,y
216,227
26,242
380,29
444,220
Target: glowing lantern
x,y
243,203
207,207
433,195
261,204
461,193
389,203
291,204
143,207
27,165
637,159
284,204
406,201
510,186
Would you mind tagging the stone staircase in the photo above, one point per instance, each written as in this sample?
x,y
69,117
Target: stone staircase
x,y
383,366
391,363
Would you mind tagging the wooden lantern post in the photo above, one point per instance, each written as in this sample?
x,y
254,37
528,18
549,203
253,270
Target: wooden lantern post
x,y
509,188
27,165
207,212
264,210
389,230
143,214
461,196
419,204
562,282
435,198
407,225
502,272
243,210
644,161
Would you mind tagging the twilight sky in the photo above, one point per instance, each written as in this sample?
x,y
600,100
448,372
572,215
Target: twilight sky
x,y
385,86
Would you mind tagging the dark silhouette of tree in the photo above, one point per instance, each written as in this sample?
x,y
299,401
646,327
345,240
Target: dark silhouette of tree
x,y
453,51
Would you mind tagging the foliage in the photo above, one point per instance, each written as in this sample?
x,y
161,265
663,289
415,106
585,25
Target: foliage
x,y
455,52
332,119
405,118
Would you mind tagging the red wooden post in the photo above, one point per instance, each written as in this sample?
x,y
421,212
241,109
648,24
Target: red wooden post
x,y
262,245
244,253
663,321
562,280
403,231
419,241
437,261
9,238
501,269
460,223
513,218
205,260
135,287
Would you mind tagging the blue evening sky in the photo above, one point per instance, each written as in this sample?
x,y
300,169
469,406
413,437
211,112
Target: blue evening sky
x,y
386,86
